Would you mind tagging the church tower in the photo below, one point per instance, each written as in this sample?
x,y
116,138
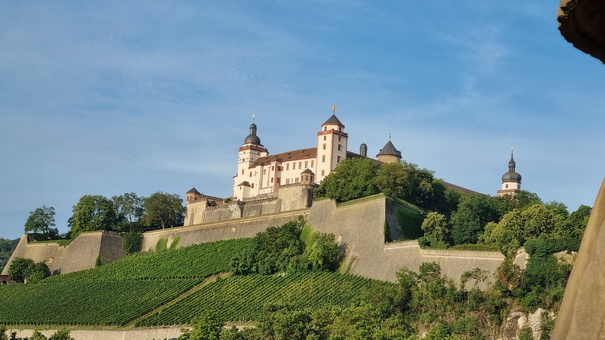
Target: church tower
x,y
249,152
331,146
389,154
511,181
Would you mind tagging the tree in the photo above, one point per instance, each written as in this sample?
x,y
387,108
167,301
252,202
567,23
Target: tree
x,y
163,210
129,208
435,228
42,220
473,213
391,179
92,212
207,326
26,270
353,178
323,255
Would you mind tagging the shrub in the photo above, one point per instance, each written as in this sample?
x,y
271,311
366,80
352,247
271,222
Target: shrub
x,y
131,243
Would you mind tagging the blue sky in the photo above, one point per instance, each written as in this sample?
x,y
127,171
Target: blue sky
x,y
137,96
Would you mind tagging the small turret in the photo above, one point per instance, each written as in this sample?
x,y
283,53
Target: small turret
x,y
389,154
511,181
363,150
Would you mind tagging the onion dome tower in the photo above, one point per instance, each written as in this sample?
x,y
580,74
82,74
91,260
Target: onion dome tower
x,y
511,181
248,153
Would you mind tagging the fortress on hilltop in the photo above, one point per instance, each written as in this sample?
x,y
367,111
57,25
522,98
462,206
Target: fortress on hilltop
x,y
270,190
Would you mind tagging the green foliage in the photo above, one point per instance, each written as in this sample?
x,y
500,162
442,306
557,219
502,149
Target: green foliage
x,y
106,302
473,214
42,220
435,229
129,210
37,336
161,244
206,326
242,298
163,210
26,270
62,334
92,212
195,261
6,249
175,242
410,221
391,179
280,249
526,334
131,243
353,178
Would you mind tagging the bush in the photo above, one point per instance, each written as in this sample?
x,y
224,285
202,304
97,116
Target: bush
x,y
131,243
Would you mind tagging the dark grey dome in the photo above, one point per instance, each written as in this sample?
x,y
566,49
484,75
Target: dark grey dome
x,y
252,138
511,175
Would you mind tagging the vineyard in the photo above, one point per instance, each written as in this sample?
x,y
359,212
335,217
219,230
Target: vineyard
x,y
86,303
119,293
242,298
196,261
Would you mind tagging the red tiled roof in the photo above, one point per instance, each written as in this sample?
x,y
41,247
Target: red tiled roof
x,y
464,190
287,156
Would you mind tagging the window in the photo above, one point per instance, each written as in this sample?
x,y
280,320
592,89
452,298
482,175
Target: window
x,y
252,185
271,179
287,166
339,146
312,163
324,137
250,173
337,159
306,164
324,130
323,158
242,171
272,168
339,138
264,171
324,146
287,181
323,172
300,165
296,179
506,186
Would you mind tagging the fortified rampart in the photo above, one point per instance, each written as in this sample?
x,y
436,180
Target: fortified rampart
x,y
358,225
80,254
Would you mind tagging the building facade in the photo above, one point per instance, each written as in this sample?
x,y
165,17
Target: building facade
x,y
259,173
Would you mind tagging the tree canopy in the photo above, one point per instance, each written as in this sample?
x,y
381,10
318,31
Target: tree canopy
x,y
163,210
42,220
92,212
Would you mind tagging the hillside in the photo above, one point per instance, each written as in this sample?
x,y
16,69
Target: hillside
x,y
136,288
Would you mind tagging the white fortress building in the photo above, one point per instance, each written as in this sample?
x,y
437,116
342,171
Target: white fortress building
x,y
259,173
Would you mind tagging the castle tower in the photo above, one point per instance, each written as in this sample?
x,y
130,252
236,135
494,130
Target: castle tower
x,y
363,150
248,153
331,146
511,181
389,154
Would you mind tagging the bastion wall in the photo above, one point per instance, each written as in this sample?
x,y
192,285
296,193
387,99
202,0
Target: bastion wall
x,y
359,226
80,254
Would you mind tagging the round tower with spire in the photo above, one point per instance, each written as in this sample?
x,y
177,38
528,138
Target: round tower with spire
x,y
511,181
389,154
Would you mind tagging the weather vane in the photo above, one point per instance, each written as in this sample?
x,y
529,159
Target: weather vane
x,y
253,117
333,108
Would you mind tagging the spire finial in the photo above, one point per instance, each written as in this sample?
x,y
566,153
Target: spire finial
x,y
333,109
253,117
389,136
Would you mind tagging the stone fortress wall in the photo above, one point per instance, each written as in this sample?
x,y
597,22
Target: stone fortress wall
x,y
358,225
80,254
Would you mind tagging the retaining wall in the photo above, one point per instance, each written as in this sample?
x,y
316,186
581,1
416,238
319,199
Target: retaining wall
x,y
80,254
